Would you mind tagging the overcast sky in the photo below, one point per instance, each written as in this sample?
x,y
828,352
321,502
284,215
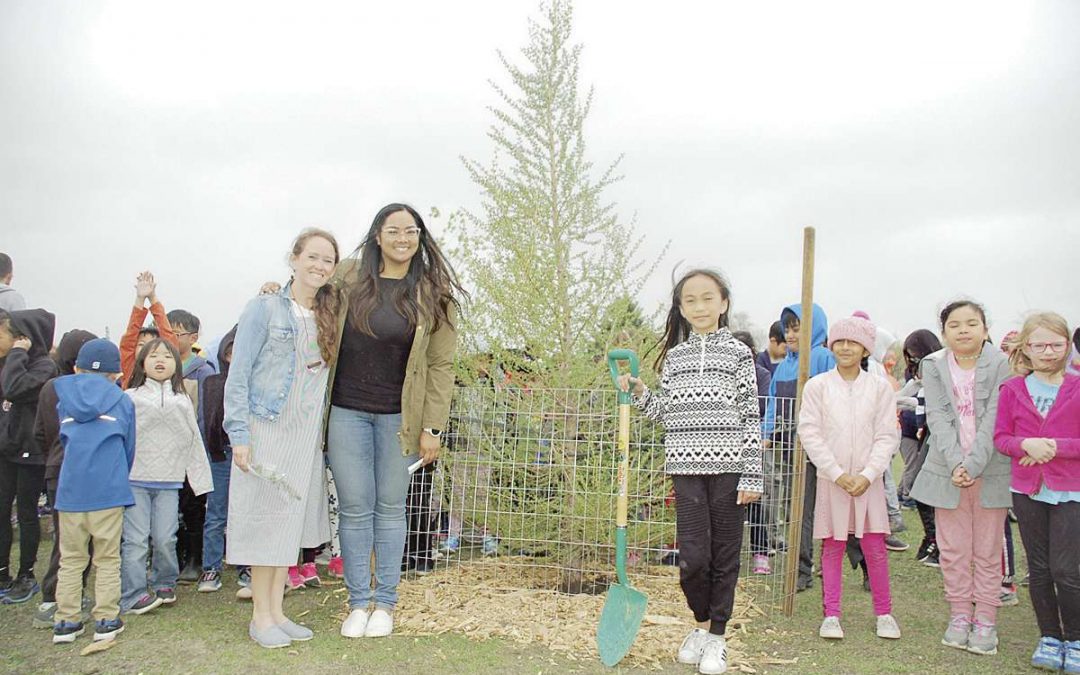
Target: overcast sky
x,y
935,145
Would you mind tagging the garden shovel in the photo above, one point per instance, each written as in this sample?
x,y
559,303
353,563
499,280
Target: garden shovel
x,y
624,607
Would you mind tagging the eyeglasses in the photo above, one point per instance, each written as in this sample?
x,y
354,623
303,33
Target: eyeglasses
x,y
407,233
1043,347
272,475
179,335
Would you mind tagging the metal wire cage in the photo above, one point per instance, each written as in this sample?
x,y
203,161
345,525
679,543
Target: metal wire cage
x,y
528,481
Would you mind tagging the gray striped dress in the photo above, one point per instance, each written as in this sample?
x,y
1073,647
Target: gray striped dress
x,y
273,515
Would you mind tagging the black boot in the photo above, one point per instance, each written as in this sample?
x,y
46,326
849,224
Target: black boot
x,y
193,567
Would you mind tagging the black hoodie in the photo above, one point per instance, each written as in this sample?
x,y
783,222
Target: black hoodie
x,y
213,402
47,423
23,375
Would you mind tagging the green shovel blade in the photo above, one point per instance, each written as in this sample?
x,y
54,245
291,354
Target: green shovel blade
x,y
619,622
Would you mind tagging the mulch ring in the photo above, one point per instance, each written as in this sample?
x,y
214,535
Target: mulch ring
x,y
472,599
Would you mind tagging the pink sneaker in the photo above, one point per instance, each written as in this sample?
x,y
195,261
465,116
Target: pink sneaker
x,y
310,575
336,568
761,564
296,580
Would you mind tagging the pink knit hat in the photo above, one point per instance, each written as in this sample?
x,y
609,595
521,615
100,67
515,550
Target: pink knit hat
x,y
856,329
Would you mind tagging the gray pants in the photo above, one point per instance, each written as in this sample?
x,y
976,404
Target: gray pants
x,y
909,450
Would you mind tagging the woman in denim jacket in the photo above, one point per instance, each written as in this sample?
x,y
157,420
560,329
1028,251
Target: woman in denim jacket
x,y
274,396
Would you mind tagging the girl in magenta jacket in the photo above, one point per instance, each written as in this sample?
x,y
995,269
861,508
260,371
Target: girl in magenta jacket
x,y
1038,426
847,424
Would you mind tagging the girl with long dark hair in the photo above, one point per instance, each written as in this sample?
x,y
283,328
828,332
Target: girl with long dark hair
x,y
707,402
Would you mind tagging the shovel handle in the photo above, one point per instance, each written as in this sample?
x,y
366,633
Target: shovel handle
x,y
613,359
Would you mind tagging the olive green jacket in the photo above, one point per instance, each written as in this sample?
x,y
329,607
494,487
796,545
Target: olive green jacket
x,y
429,373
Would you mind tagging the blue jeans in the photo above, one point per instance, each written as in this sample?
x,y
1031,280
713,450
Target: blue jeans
x,y
372,478
217,514
153,519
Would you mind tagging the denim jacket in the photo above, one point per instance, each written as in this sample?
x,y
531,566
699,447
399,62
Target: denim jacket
x,y
263,364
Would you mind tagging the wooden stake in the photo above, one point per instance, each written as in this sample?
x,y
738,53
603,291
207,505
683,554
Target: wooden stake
x,y
798,487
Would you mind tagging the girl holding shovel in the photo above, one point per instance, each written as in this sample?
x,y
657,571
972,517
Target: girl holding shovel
x,y
707,402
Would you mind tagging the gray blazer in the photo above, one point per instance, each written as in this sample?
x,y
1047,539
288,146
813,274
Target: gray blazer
x,y
933,485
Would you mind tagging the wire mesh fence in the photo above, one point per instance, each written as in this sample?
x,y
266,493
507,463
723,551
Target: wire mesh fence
x,y
528,484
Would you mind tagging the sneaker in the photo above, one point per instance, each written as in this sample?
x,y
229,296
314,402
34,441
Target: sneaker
x,y
1008,596
66,631
956,635
691,647
713,656
1072,656
450,545
296,580
924,548
983,638
932,558
243,577
5,585
893,543
336,567
897,525
1026,581
244,593
379,624
761,564
210,582
490,545
356,624
887,627
166,595
310,575
107,629
45,615
23,588
1049,655
144,604
830,629
804,584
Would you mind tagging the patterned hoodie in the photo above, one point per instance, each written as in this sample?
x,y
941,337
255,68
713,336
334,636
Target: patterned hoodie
x,y
707,402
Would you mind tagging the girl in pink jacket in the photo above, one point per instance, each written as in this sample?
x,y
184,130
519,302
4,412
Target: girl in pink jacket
x,y
1038,426
847,424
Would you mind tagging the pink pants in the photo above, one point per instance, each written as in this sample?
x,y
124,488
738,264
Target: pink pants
x,y
877,566
970,543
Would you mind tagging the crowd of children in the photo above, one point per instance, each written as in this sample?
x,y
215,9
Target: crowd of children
x,y
129,444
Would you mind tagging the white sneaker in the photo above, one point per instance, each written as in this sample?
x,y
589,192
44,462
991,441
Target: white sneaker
x,y
380,624
887,627
690,650
713,656
830,629
356,624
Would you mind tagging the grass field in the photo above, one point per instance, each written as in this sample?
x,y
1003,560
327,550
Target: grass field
x,y
206,633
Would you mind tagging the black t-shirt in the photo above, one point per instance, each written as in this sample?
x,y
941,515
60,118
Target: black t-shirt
x,y
371,370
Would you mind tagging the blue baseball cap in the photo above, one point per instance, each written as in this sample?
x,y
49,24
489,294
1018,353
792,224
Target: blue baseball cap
x,y
99,356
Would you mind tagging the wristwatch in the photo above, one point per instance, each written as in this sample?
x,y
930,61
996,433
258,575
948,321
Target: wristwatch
x,y
434,432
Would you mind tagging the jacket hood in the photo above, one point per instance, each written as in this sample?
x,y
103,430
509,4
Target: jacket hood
x,y
68,350
87,396
226,341
195,363
820,334
38,325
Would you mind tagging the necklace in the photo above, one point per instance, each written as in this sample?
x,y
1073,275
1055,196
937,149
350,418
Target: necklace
x,y
967,358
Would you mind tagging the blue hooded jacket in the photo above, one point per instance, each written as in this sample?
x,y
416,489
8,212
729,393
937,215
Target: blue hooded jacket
x,y
97,428
786,377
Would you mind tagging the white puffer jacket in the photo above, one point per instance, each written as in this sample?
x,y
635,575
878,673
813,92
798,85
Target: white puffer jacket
x,y
168,445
